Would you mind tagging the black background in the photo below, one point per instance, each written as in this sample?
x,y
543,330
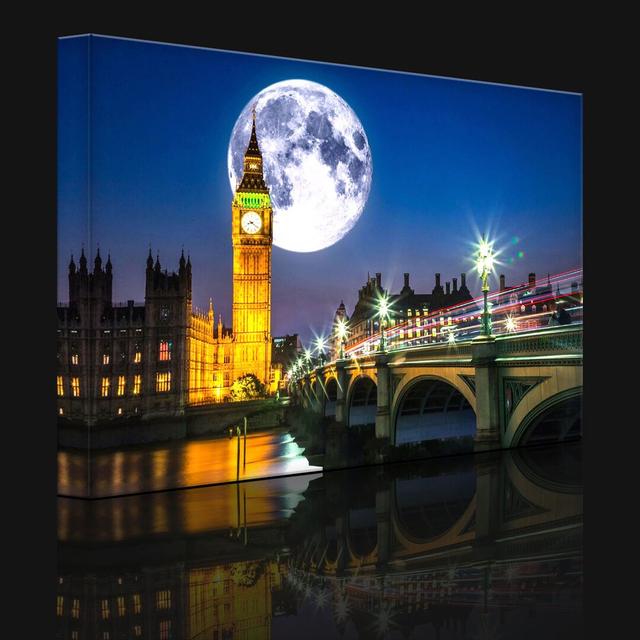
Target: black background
x,y
547,51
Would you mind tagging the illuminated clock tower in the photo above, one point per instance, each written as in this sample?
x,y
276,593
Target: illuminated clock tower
x,y
252,236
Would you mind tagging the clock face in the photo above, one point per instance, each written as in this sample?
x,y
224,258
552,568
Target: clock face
x,y
251,222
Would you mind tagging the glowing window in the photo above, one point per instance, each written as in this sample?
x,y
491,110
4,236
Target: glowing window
x,y
137,604
165,629
137,631
75,387
104,607
106,358
59,605
165,349
75,609
74,635
137,384
75,358
163,599
137,358
105,387
163,381
121,608
60,385
121,385
61,411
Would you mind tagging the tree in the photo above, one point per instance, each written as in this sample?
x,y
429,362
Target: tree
x,y
247,387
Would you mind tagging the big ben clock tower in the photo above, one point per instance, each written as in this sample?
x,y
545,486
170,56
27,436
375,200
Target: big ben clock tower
x,y
252,236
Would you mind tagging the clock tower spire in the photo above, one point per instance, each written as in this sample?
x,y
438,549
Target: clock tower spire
x,y
252,237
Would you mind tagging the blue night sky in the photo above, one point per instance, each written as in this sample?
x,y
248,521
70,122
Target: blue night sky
x,y
143,147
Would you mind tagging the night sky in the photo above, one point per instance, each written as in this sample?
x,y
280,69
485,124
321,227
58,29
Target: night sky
x,y
142,155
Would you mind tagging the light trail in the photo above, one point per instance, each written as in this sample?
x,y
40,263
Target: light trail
x,y
464,319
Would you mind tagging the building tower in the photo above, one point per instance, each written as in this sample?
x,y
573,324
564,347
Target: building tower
x,y
252,236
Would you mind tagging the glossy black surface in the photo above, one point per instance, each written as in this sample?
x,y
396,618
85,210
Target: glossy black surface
x,y
474,546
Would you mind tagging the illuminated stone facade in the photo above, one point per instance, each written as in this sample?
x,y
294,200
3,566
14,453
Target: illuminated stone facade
x,y
252,237
158,357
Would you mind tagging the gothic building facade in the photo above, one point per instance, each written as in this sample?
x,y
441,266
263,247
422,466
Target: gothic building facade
x,y
406,308
158,357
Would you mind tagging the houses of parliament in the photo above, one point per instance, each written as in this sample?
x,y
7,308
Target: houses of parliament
x,y
156,358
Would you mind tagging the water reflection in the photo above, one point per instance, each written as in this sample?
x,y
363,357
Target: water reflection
x,y
188,463
473,546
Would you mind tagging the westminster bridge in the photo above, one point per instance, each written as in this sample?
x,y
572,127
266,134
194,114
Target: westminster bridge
x,y
503,391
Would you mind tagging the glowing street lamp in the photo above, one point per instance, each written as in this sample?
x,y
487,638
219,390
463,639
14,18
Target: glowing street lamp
x,y
484,265
320,346
307,357
451,337
511,324
341,331
384,308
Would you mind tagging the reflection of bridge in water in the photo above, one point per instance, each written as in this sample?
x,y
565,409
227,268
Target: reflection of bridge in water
x,y
458,542
497,393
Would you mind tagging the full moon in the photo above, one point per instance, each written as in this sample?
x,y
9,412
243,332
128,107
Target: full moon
x,y
316,158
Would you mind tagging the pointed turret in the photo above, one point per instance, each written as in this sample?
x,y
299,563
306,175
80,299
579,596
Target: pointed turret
x,y
149,261
83,262
252,178
108,265
211,310
97,263
72,266
157,266
182,262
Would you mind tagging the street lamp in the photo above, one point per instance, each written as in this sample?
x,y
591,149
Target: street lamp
x,y
484,265
307,357
383,313
320,345
341,331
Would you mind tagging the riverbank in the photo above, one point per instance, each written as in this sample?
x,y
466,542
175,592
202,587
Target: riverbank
x,y
205,421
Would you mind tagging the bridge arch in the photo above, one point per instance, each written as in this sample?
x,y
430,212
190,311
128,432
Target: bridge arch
x,y
556,418
330,396
550,415
429,407
428,512
362,400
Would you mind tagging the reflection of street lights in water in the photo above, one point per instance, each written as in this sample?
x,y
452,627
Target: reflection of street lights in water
x,y
484,265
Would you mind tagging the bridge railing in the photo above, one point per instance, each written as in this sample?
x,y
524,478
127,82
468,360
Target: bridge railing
x,y
547,341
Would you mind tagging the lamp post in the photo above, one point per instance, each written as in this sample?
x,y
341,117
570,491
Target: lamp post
x,y
342,331
383,314
307,357
484,265
320,345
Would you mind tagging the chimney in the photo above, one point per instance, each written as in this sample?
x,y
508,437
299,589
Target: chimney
x,y
463,280
406,280
437,279
448,286
379,280
532,279
503,286
455,285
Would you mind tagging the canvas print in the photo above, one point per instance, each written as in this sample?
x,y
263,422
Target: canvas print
x,y
270,266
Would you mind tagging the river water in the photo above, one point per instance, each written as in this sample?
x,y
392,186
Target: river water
x,y
173,465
